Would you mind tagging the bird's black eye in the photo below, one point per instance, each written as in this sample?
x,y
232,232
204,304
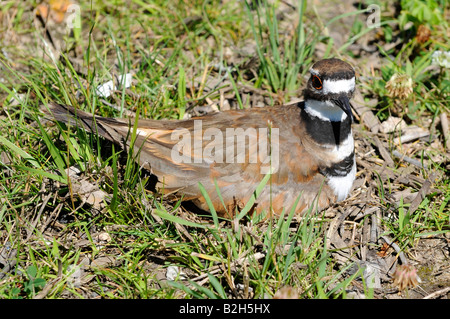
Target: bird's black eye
x,y
316,82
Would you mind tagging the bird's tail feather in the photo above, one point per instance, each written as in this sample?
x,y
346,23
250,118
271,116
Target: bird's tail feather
x,y
94,124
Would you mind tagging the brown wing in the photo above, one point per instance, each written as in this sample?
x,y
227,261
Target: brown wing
x,y
231,147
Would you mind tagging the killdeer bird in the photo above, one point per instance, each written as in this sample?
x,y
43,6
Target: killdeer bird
x,y
308,147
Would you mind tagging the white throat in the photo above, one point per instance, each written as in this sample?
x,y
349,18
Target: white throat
x,y
342,185
325,110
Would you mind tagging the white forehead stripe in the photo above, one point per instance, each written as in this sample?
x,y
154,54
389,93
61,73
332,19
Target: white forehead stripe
x,y
338,86
313,71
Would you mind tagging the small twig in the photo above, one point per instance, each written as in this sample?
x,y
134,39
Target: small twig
x,y
214,270
38,217
424,191
334,225
445,131
407,159
437,293
242,261
254,236
374,231
396,248
365,238
368,211
365,113
48,287
184,232
383,152
411,135
52,216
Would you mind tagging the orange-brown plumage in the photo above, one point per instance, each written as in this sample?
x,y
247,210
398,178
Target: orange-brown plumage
x,y
300,163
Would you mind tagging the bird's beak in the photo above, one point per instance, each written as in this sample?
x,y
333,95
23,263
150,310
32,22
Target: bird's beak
x,y
344,103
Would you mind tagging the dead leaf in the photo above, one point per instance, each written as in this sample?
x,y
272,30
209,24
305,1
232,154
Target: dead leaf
x,y
89,193
393,124
423,34
411,133
104,262
383,250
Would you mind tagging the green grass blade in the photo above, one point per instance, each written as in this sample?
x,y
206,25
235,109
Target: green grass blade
x,y
217,286
254,196
210,205
20,152
54,152
176,219
40,172
181,92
